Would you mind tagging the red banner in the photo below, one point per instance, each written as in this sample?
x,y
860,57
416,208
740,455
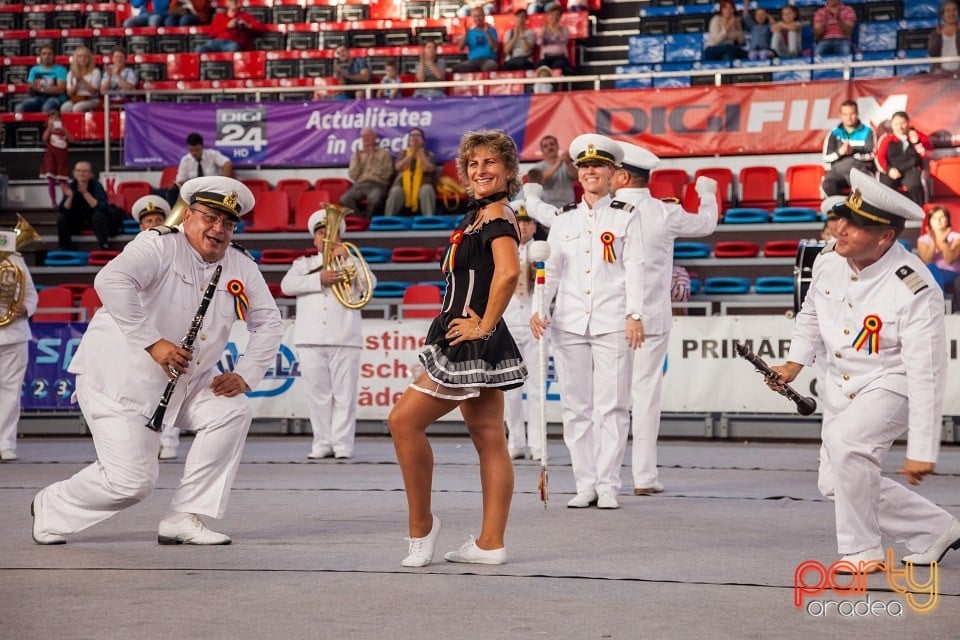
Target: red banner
x,y
773,118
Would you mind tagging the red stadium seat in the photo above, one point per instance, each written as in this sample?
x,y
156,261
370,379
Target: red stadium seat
x,y
736,249
421,301
168,177
249,65
293,187
90,302
271,213
946,179
724,178
802,185
413,254
691,200
781,248
307,204
279,256
183,66
76,288
759,187
257,186
668,183
356,223
336,187
133,190
59,301
101,257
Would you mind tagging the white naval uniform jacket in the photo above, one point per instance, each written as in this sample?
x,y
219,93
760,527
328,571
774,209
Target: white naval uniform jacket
x,y
662,223
19,330
518,312
594,296
911,360
321,319
152,290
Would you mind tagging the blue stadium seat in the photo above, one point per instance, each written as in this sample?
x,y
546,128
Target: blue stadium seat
x,y
921,8
691,250
633,83
130,226
794,214
676,81
62,258
389,223
774,284
877,70
742,215
877,36
829,74
645,49
256,253
726,285
687,47
375,255
431,223
793,75
912,69
695,286
390,289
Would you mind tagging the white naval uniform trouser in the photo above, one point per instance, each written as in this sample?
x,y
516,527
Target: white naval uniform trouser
x,y
516,410
645,419
13,367
855,440
127,468
594,377
332,377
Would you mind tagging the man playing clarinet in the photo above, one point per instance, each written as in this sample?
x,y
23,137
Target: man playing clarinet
x,y
151,295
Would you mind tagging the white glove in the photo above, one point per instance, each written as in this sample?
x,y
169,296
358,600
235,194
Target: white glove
x,y
533,191
706,186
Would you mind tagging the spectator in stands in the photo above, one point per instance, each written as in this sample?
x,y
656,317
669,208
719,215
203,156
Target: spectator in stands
x,y
14,341
833,25
84,206
198,162
151,13
47,84
348,70
55,165
83,83
559,174
481,43
414,187
187,13
150,211
329,341
554,42
787,32
850,145
430,69
518,44
945,39
390,83
901,155
725,38
760,33
118,78
487,6
231,30
939,248
543,71
371,169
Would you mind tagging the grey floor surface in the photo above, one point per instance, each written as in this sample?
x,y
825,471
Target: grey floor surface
x,y
317,550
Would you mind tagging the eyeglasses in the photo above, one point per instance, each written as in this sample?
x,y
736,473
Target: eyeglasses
x,y
212,219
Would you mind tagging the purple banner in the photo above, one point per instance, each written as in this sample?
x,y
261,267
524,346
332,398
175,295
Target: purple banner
x,y
322,133
47,386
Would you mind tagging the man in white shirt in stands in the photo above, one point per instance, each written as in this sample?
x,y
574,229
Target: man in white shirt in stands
x,y
198,162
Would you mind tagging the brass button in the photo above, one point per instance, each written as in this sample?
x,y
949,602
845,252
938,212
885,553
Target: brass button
x,y
203,337
588,250
587,271
852,396
589,232
846,377
827,292
853,278
846,332
587,292
837,355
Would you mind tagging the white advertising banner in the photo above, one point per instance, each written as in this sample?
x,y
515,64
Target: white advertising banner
x,y
702,372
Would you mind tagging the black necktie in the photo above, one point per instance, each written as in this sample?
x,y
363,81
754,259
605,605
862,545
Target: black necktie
x,y
199,169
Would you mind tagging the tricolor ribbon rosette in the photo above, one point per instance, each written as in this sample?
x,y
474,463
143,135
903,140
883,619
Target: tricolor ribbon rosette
x,y
240,301
869,335
450,255
607,239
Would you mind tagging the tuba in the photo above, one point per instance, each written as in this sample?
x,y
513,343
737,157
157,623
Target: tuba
x,y
175,216
12,277
355,287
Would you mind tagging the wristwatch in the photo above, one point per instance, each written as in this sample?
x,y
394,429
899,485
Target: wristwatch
x,y
635,316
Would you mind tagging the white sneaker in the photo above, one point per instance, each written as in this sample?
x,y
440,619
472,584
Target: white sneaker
x,y
582,500
470,553
650,490
168,453
536,455
607,501
420,551
40,534
949,539
318,453
869,561
342,455
189,530
8,455
515,454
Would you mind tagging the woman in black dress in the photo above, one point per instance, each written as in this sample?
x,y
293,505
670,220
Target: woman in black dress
x,y
469,359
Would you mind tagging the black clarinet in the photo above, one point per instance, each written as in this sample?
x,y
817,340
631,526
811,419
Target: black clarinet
x,y
805,404
156,421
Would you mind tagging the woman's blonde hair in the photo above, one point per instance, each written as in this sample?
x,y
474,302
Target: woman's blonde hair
x,y
501,144
75,68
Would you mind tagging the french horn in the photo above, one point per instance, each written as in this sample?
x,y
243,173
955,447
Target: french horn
x,y
12,277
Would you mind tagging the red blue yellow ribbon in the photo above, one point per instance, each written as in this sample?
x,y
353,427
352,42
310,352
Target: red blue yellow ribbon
x,y
450,255
240,302
869,335
607,239
541,272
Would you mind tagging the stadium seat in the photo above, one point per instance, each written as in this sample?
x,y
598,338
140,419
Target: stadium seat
x,y
279,256
780,248
336,187
946,179
794,214
293,187
413,254
76,288
724,178
270,213
774,285
257,185
759,187
62,258
356,223
307,204
90,302
668,183
685,250
741,215
376,255
168,177
101,257
726,285
432,223
736,249
390,289
130,226
389,223
421,301
133,190
802,185
59,301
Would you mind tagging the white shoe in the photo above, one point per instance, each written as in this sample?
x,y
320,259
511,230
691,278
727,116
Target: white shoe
x,y
420,551
168,453
582,500
868,561
515,454
40,534
949,539
8,455
189,530
536,455
318,453
470,553
342,455
650,490
607,501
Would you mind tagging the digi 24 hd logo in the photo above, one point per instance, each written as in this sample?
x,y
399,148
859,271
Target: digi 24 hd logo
x,y
242,134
